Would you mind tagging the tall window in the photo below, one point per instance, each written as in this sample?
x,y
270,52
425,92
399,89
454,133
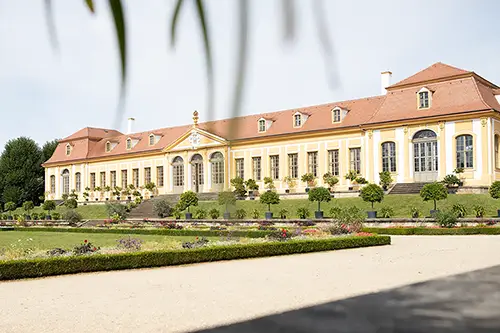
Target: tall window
x,y
178,171
108,146
52,184
465,156
355,159
256,168
65,181
336,115
68,149
240,168
389,156
92,181
103,179
112,176
124,179
312,163
333,162
159,176
297,120
293,165
262,125
135,177
151,140
496,151
147,175
129,143
423,99
78,182
217,162
275,166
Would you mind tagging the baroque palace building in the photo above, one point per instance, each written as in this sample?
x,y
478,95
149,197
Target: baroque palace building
x,y
419,129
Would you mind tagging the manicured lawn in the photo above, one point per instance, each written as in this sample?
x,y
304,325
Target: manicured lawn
x,y
68,240
88,212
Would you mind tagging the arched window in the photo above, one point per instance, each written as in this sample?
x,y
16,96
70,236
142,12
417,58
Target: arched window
x,y
151,139
129,143
52,184
68,149
497,159
262,125
217,162
78,182
297,120
389,156
65,181
465,150
178,171
424,134
108,146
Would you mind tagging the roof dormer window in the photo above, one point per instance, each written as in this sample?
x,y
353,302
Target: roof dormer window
x,y
424,98
151,139
262,125
336,115
129,143
68,149
297,120
108,147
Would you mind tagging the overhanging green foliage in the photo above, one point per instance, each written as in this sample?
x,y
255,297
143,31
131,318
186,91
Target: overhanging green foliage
x,y
435,231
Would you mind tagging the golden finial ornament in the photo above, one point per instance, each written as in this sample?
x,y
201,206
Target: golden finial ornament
x,y
195,118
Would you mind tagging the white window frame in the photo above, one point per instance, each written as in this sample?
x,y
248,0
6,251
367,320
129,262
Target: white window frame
x,y
420,94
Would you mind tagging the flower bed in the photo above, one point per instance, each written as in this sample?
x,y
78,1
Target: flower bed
x,y
435,231
18,269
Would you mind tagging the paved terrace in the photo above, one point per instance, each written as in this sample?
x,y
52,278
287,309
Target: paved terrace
x,y
325,292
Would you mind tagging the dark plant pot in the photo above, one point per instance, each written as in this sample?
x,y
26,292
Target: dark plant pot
x,y
129,198
226,215
350,188
287,191
160,215
189,216
452,190
9,217
151,197
372,214
107,199
498,213
96,199
28,217
384,187
86,199
48,217
118,198
307,189
269,215
318,214
414,215
85,203
434,212
252,198
460,183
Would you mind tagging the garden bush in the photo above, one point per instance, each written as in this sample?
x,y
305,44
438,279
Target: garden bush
x,y
459,210
434,231
34,216
494,190
446,219
415,212
255,213
434,191
319,194
200,214
187,200
335,212
226,198
118,209
372,193
386,212
303,212
240,214
30,268
239,186
385,179
451,180
283,213
72,216
270,198
71,203
28,206
49,205
214,213
56,216
479,210
161,207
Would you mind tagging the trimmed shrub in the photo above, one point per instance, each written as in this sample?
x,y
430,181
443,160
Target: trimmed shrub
x,y
28,206
494,190
239,186
34,216
214,213
10,207
451,180
479,211
459,210
446,219
118,209
270,198
372,193
385,179
283,213
71,203
303,212
161,207
200,214
434,231
56,216
319,194
30,268
187,199
434,191
49,205
386,212
240,214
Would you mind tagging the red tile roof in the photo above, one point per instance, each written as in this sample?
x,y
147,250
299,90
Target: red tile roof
x,y
454,91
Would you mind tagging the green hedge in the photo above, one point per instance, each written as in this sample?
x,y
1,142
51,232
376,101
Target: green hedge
x,y
163,231
435,231
30,268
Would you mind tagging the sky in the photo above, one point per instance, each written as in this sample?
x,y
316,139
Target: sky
x,y
48,93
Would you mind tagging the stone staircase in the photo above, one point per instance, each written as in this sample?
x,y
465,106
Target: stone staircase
x,y
407,188
145,209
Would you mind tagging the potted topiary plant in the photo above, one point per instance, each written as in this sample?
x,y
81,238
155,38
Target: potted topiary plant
x,y
151,188
494,191
351,177
10,207
459,172
319,194
330,180
49,205
451,182
372,193
269,184
434,191
188,199
269,198
86,195
239,187
225,199
290,183
309,179
252,188
117,191
107,190
28,207
385,179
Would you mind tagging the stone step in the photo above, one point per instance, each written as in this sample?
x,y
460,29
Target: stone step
x,y
407,188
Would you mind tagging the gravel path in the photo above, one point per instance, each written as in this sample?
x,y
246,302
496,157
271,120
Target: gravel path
x,y
180,299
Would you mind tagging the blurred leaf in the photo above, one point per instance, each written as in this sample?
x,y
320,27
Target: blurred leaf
x,y
49,16
208,56
288,7
119,21
173,25
90,5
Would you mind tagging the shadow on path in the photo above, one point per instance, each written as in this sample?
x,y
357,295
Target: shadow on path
x,y
467,302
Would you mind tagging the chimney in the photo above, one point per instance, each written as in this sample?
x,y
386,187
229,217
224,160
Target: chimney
x,y
129,125
385,80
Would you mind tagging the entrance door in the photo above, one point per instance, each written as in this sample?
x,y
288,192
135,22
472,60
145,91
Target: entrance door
x,y
197,173
425,155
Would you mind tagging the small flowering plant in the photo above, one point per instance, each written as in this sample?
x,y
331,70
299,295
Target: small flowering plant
x,y
362,233
85,248
281,235
171,225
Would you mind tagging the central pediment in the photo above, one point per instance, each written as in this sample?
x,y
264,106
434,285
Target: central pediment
x,y
196,138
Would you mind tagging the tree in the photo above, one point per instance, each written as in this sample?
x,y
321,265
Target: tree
x,y
48,149
71,203
28,206
49,205
10,207
320,194
385,179
372,193
21,173
239,186
270,198
226,198
434,191
252,185
495,190
188,199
